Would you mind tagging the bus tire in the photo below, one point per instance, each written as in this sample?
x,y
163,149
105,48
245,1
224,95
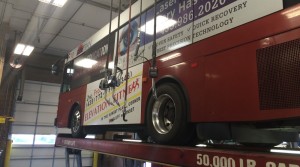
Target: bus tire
x,y
76,128
167,116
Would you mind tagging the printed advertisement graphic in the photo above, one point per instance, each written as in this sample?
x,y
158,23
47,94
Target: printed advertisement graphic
x,y
98,52
232,13
124,43
188,21
99,112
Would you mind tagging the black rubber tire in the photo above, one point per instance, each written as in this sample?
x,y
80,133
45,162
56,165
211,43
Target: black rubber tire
x,y
75,124
180,132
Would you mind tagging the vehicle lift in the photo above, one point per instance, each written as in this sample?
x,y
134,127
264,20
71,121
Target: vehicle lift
x,y
165,156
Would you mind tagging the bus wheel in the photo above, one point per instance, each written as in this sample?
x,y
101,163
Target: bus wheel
x,y
167,116
76,128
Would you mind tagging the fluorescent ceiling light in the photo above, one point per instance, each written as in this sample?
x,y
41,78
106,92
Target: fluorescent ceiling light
x,y
24,50
45,1
86,63
162,23
19,49
59,3
28,50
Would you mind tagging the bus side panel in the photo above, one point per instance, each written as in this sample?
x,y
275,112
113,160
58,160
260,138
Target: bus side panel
x,y
228,89
232,80
66,101
231,86
223,87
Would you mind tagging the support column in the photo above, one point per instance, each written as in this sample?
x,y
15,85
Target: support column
x,y
3,30
7,155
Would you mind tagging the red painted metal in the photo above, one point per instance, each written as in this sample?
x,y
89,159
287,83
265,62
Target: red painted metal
x,y
66,101
224,85
182,156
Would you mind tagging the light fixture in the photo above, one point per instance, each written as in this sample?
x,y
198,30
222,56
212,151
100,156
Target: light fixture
x,y
86,63
169,57
45,1
22,49
28,50
162,23
70,70
58,3
19,49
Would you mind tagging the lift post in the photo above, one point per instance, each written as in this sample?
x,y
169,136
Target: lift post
x,y
77,155
184,156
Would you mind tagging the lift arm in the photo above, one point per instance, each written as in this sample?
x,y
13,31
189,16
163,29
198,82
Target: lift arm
x,y
182,156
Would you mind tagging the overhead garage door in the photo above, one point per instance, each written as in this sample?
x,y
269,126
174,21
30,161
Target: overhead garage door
x,y
33,131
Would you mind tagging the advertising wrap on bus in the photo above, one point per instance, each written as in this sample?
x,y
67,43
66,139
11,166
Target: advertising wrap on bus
x,y
180,23
218,69
99,112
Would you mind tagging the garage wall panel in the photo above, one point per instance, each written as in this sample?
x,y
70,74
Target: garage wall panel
x,y
25,117
22,107
46,118
43,162
22,129
49,98
48,109
46,130
51,88
43,152
21,152
31,96
19,163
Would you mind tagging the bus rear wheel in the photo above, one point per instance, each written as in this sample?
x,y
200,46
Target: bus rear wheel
x,y
167,116
76,128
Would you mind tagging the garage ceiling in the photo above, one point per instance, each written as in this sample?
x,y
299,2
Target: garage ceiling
x,y
54,30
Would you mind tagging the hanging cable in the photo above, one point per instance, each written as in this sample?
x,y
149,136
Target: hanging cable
x,y
116,68
127,62
104,85
153,72
136,55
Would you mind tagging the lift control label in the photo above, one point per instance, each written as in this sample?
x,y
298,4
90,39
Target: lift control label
x,y
205,160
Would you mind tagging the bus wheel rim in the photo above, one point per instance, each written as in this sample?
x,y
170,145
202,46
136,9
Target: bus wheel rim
x,y
163,114
76,121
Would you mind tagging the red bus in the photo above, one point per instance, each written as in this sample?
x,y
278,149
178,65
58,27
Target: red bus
x,y
222,69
